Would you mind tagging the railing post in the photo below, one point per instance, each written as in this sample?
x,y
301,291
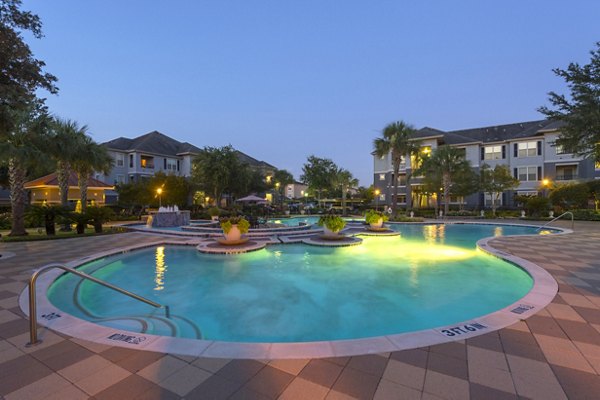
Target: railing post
x,y
33,339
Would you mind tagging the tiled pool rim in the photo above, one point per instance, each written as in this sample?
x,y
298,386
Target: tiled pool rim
x,y
541,294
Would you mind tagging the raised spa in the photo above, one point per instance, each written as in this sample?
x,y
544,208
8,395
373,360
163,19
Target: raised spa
x,y
429,276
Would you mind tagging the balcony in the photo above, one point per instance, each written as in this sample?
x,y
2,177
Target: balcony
x,y
566,177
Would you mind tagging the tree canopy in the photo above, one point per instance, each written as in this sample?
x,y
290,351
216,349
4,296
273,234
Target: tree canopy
x,y
21,74
580,112
495,181
317,173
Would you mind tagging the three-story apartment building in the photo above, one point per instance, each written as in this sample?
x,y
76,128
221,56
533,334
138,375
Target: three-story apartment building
x,y
527,148
145,155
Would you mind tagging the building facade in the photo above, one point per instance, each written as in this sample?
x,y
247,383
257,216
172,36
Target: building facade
x,y
145,155
528,149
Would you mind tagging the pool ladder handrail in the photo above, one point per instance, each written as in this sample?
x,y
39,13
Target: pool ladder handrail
x,y
560,216
33,338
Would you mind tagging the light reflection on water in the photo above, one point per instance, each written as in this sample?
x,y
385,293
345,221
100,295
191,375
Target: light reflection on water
x,y
160,268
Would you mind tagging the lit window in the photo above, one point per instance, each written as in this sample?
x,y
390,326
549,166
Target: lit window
x,y
527,174
381,177
382,197
527,149
492,153
597,164
147,162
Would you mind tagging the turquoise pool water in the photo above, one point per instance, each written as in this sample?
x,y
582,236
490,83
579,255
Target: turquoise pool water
x,y
430,276
295,221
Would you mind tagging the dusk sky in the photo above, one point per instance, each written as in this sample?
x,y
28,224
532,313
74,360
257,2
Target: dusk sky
x,y
281,80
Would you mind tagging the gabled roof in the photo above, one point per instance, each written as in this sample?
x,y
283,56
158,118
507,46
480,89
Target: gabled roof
x,y
501,133
52,180
427,132
153,142
245,158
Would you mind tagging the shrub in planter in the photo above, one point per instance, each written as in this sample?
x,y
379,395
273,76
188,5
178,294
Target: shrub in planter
x,y
234,227
332,223
375,218
214,213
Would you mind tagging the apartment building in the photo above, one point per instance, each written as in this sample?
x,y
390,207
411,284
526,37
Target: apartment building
x,y
145,155
527,148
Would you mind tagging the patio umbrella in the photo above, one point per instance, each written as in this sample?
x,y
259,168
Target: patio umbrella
x,y
252,199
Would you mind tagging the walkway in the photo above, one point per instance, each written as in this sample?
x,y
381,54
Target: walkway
x,y
552,355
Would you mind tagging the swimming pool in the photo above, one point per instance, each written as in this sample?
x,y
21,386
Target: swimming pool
x,y
430,276
295,221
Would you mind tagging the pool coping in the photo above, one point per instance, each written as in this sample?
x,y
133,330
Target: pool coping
x,y
544,289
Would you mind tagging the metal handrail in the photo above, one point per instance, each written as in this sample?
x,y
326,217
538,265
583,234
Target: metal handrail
x,y
560,216
33,338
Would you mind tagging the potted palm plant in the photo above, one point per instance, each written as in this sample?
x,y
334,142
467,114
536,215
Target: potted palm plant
x,y
214,213
234,227
332,224
375,219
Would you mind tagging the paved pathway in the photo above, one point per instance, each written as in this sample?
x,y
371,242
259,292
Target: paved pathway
x,y
552,355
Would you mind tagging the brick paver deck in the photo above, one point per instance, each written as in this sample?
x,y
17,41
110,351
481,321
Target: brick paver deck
x,y
552,355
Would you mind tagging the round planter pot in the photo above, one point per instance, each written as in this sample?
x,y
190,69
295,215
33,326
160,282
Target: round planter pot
x,y
378,224
234,234
328,232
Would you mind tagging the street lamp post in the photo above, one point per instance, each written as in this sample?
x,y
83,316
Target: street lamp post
x,y
545,185
377,191
159,192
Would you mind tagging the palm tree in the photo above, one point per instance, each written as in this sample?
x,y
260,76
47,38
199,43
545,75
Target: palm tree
x,y
90,157
64,134
344,179
450,162
21,147
396,139
62,150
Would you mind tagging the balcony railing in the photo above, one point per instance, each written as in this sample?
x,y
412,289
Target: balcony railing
x,y
566,177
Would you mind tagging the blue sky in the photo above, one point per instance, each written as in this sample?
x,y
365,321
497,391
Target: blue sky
x,y
281,80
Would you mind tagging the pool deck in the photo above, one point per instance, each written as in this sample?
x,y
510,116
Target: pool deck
x,y
554,354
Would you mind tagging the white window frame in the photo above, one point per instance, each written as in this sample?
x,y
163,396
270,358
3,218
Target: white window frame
x,y
488,197
382,197
492,152
171,165
119,159
527,149
527,174
120,179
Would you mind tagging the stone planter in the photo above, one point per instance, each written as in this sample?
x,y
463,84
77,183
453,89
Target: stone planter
x,y
328,232
234,234
378,224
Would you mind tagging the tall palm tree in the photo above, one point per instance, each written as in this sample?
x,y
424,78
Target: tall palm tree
x,y
90,157
21,147
450,162
344,180
64,134
396,139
